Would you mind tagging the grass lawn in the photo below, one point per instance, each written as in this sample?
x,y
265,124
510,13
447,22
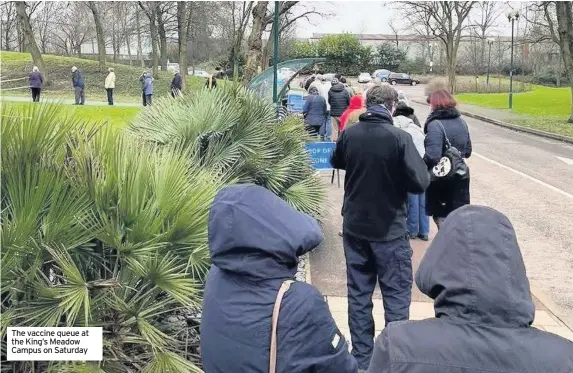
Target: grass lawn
x,y
116,116
16,65
542,108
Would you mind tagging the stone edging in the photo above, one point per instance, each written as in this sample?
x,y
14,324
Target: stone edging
x,y
556,310
514,127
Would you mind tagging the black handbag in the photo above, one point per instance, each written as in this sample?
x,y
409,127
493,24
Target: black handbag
x,y
452,164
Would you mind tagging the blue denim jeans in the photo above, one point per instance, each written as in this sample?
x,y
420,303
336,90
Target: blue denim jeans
x,y
418,222
326,129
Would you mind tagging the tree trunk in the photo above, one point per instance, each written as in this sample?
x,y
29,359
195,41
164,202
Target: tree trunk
x,y
114,41
269,47
151,13
564,12
139,46
255,43
162,40
28,33
182,30
99,34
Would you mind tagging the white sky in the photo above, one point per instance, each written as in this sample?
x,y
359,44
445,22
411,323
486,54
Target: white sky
x,y
373,17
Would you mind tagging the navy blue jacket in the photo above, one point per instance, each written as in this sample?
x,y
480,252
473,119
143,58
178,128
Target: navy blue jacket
x,y
339,99
177,82
475,273
78,79
36,79
314,110
456,130
255,239
148,85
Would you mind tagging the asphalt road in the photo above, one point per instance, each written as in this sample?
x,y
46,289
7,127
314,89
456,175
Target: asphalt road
x,y
528,178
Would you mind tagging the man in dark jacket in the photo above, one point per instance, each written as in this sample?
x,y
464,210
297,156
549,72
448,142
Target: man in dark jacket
x,y
79,85
255,239
382,166
339,100
176,85
475,273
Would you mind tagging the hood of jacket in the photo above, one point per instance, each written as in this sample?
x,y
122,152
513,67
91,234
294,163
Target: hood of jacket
x,y
254,233
356,102
376,113
403,122
450,113
474,270
338,87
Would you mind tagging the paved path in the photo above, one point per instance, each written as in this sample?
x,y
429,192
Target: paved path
x,y
530,179
66,101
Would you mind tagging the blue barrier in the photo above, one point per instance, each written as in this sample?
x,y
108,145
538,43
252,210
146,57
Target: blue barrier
x,y
295,102
320,153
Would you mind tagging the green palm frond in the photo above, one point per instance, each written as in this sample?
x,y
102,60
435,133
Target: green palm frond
x,y
164,361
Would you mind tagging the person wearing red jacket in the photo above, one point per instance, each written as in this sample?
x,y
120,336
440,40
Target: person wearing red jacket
x,y
356,103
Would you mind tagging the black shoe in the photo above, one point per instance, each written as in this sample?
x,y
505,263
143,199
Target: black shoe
x,y
81,103
412,236
423,237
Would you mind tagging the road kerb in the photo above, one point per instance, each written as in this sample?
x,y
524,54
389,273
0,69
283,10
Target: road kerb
x,y
554,309
511,126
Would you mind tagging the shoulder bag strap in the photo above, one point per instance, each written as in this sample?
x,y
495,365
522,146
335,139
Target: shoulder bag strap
x,y
448,144
275,320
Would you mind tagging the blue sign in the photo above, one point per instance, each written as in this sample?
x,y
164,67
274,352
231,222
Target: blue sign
x,y
295,102
320,153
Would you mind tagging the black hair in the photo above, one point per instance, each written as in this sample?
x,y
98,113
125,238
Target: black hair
x,y
342,80
403,109
338,76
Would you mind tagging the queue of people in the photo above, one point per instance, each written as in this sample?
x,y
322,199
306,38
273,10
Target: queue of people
x,y
257,319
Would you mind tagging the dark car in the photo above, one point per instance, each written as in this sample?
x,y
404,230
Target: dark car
x,y
400,78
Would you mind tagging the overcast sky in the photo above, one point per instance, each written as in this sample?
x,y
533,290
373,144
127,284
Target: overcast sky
x,y
371,17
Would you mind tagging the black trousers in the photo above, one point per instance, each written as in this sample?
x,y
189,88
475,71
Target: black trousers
x,y
109,96
146,100
36,94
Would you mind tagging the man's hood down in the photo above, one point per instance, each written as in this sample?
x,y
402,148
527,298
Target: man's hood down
x,y
474,270
254,233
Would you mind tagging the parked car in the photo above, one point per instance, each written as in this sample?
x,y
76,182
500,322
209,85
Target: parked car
x,y
199,73
364,78
382,74
400,78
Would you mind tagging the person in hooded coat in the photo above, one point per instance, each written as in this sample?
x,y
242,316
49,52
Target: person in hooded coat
x,y
314,111
176,85
255,239
109,85
339,100
148,89
36,81
474,272
356,104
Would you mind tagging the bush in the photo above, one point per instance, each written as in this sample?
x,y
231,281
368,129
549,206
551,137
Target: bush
x,y
107,229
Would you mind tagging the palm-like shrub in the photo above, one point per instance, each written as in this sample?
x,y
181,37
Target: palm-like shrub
x,y
235,134
100,230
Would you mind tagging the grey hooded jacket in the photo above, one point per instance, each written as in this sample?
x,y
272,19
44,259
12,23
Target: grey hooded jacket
x,y
475,273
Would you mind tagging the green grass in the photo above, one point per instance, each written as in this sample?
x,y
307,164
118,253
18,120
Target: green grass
x,y
116,116
543,108
16,65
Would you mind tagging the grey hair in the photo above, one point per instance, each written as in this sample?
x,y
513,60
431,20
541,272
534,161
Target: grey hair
x,y
35,69
382,95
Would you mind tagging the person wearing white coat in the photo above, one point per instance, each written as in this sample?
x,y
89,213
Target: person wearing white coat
x,y
110,85
418,222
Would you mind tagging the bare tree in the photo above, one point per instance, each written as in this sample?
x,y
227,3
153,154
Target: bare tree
x,y
29,39
99,33
489,12
9,24
150,9
562,34
184,10
446,20
240,20
138,35
261,19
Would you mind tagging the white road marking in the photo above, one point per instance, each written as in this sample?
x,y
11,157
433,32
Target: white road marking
x,y
548,186
569,161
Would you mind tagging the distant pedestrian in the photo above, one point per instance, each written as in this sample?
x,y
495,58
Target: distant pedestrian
x,y
314,111
445,127
339,100
211,82
356,107
407,111
347,86
142,82
78,83
110,85
382,166
176,85
36,81
418,223
475,275
326,130
148,89
308,82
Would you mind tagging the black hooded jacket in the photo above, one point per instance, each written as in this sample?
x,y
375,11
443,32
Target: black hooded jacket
x,y
339,99
475,273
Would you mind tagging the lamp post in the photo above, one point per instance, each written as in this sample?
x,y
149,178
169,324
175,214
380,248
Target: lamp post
x,y
276,54
512,16
489,43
